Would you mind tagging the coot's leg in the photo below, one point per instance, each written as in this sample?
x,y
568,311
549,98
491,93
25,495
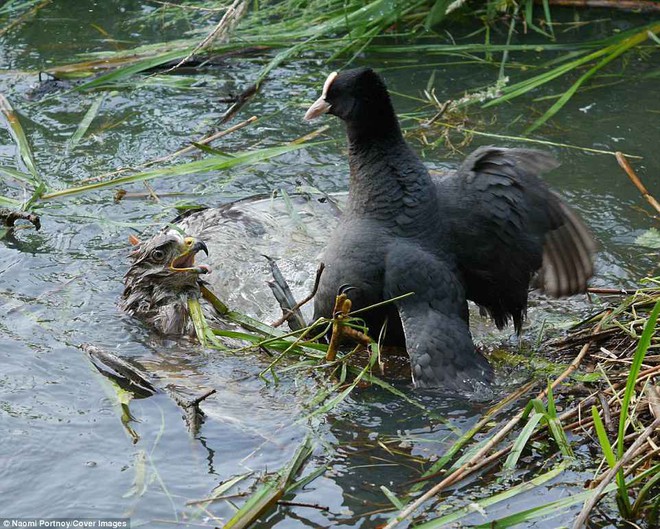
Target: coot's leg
x,y
434,321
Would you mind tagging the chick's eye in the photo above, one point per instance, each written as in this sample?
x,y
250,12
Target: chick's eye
x,y
157,255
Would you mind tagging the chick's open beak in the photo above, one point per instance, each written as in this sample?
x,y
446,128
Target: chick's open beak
x,y
200,245
185,262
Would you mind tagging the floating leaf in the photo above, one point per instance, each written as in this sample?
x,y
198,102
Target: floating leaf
x,y
649,239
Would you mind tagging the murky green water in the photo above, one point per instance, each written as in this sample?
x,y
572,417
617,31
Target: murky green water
x,y
64,450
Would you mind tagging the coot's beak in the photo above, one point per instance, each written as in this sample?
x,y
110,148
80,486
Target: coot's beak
x,y
321,106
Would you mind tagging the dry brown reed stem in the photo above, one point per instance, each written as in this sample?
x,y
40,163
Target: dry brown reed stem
x,y
310,136
588,401
648,454
227,23
239,102
582,423
610,291
609,476
151,191
641,454
25,16
565,343
623,162
487,418
648,373
479,460
653,395
204,141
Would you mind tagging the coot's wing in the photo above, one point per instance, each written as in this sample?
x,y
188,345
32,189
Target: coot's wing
x,y
434,321
506,225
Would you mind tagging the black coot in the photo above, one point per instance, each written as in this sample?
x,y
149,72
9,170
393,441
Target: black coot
x,y
481,233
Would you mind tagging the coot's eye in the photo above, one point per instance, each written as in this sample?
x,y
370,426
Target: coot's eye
x,y
157,255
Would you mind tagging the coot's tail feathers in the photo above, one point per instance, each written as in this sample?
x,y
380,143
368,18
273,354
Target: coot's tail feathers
x,y
567,254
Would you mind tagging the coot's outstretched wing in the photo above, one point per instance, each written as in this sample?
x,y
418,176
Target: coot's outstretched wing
x,y
506,226
434,320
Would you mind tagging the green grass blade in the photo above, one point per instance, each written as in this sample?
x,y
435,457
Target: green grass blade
x,y
9,202
546,511
548,18
643,493
84,124
304,481
202,329
437,13
340,397
199,322
449,520
271,491
521,88
638,358
333,402
214,163
521,442
607,47
529,20
20,176
392,497
602,437
12,6
607,450
558,433
372,379
131,69
224,487
464,439
616,52
18,134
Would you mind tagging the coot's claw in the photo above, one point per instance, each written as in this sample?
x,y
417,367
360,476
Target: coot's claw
x,y
343,289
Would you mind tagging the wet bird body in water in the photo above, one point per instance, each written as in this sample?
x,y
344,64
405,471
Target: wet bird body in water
x,y
481,233
161,280
238,235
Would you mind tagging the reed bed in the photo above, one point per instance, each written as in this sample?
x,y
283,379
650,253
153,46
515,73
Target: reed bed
x,y
607,391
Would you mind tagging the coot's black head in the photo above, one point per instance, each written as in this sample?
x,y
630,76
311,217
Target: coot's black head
x,y
359,97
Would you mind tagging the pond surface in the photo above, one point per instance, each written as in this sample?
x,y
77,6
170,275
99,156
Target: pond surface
x,y
65,452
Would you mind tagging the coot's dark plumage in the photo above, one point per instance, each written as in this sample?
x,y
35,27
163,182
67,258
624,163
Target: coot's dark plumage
x,y
480,233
